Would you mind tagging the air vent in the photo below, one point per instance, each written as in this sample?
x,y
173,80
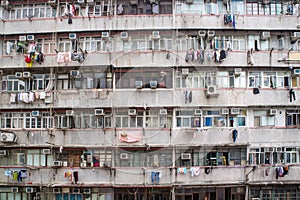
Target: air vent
x,y
18,74
87,191
14,189
264,35
30,190
99,112
123,156
210,34
139,84
153,84
105,35
76,191
202,33
35,113
69,112
132,112
272,111
235,111
56,190
26,75
72,36
163,111
185,71
198,112
30,37
185,156
225,111
75,73
155,35
124,35
22,38
296,71
46,151
3,153
57,163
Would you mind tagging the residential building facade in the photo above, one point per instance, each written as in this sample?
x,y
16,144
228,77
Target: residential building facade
x,y
149,99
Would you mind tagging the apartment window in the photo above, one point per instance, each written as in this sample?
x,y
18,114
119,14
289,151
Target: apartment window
x,y
35,158
92,44
68,196
273,155
46,45
96,158
122,119
62,121
31,10
63,82
12,120
213,118
9,46
238,43
262,118
238,120
64,45
292,118
254,79
187,119
256,43
155,158
13,196
156,120
195,79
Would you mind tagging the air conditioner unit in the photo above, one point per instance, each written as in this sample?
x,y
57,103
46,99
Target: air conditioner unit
x,y
30,37
69,112
57,163
123,156
185,156
189,1
80,1
185,71
3,153
155,35
153,1
35,113
202,33
86,191
272,111
211,91
76,191
18,74
46,151
296,71
132,112
99,112
124,35
72,36
198,112
56,190
48,100
234,111
153,84
163,111
90,1
26,75
297,34
264,35
210,34
255,199
225,111
75,73
14,189
105,35
134,2
30,190
8,137
139,84
22,38
237,71
51,1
